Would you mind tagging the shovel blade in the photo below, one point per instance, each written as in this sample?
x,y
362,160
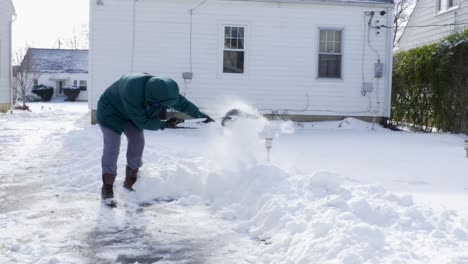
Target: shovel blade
x,y
234,114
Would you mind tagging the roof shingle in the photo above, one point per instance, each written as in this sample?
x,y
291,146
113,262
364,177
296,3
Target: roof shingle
x,y
59,60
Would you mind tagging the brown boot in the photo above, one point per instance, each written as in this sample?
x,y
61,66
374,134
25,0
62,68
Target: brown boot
x,y
107,191
131,177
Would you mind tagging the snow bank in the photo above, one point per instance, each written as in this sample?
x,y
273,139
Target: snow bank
x,y
315,218
295,217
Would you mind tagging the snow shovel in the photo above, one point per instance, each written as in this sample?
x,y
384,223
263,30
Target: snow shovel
x,y
235,114
228,118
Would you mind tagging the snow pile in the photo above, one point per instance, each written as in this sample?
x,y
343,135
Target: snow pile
x,y
315,218
293,216
300,218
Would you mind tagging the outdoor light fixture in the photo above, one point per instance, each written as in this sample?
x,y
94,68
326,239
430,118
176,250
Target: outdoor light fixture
x,y
268,143
99,2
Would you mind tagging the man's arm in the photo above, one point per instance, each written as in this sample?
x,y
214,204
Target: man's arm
x,y
185,106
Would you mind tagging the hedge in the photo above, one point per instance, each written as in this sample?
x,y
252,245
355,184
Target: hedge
x,y
430,86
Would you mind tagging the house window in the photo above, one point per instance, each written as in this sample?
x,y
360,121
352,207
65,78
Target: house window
x,y
75,83
330,53
83,85
443,5
234,49
35,81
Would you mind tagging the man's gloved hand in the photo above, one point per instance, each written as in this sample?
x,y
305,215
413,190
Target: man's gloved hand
x,y
173,122
208,118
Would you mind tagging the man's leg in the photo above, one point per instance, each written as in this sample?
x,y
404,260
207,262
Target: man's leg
x,y
110,154
136,145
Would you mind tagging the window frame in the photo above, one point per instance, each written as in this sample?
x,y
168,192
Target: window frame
x,y
442,6
221,73
83,88
319,29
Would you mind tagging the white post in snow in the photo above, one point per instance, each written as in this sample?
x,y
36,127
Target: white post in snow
x,y
466,147
268,144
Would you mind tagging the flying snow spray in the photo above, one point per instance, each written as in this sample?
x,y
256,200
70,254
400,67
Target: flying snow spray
x,y
268,144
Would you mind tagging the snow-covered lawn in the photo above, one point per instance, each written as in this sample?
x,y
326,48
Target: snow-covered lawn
x,y
333,192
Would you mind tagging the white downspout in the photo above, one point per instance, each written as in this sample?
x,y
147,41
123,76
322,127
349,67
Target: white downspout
x,y
10,75
389,60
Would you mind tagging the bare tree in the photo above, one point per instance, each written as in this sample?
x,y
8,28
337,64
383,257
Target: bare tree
x,y
400,17
79,39
25,75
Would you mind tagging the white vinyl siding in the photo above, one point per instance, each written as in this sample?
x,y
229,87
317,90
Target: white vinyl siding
x,y
280,60
454,19
6,12
1,60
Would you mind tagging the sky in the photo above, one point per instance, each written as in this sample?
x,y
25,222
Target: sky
x,y
41,23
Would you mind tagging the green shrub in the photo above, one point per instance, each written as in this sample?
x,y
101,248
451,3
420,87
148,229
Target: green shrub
x,y
430,86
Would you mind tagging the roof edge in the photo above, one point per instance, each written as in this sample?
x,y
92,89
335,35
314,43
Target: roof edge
x,y
323,2
58,49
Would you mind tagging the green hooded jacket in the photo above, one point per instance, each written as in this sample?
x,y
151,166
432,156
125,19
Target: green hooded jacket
x,y
139,98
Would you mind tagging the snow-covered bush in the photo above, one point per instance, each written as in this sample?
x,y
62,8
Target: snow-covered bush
x,y
43,91
71,92
32,98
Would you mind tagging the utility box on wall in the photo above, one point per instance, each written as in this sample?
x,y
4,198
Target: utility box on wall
x,y
378,70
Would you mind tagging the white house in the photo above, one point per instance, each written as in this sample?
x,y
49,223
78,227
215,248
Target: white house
x,y
432,20
60,68
303,58
6,18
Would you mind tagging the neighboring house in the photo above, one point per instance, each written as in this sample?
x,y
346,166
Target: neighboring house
x,y
60,68
450,16
303,58
6,18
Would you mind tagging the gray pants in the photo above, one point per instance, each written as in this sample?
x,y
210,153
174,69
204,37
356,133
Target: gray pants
x,y
110,154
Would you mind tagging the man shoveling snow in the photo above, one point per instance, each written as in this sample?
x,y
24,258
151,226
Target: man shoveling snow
x,y
130,105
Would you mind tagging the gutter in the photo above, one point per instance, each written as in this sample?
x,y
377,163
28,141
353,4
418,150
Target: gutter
x,y
323,2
